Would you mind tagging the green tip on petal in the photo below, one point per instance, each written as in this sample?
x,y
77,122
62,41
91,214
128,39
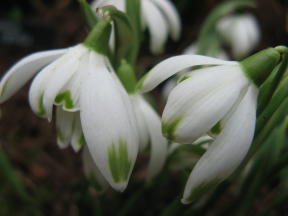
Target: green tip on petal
x,y
140,83
169,128
259,66
184,78
197,192
119,162
66,98
216,129
41,109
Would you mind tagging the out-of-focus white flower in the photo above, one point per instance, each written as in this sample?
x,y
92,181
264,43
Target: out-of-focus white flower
x,y
80,79
220,99
149,128
159,16
241,32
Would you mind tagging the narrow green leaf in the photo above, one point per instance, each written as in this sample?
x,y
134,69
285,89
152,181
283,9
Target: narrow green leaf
x,y
88,14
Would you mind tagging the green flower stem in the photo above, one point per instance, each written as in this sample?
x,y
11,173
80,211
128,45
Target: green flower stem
x,y
127,76
209,27
88,14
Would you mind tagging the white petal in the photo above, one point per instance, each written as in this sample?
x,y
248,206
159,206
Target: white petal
x,y
25,69
198,103
159,148
106,125
78,139
91,171
61,76
173,65
171,16
64,127
157,26
228,150
141,124
169,86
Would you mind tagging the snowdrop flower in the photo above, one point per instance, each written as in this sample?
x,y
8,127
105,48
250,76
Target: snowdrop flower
x,y
159,16
241,32
220,98
81,79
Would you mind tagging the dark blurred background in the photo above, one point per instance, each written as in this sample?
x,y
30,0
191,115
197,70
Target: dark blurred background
x,y
54,176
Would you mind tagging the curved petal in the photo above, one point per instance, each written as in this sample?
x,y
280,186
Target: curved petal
x,y
61,76
198,103
159,145
78,139
227,151
64,127
106,125
17,76
173,65
157,26
92,172
171,16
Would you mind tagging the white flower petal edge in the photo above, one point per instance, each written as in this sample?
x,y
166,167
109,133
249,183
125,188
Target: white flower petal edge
x,y
91,171
157,26
78,139
25,69
228,150
64,127
106,125
173,65
171,16
159,144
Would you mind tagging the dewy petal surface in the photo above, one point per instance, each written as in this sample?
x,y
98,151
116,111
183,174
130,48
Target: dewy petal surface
x,y
172,17
173,65
106,125
227,151
64,127
199,102
17,76
156,24
159,144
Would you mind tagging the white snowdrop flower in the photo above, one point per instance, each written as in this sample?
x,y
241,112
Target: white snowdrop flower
x,y
81,79
149,129
159,16
241,32
220,98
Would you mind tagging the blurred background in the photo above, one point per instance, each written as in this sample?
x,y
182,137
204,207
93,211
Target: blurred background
x,y
36,177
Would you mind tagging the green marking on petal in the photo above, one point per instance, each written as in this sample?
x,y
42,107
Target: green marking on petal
x,y
119,161
168,128
184,78
41,109
141,81
4,87
81,140
60,136
217,128
66,98
198,191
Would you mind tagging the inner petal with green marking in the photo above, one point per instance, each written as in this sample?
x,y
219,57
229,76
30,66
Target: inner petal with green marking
x,y
169,128
119,162
66,98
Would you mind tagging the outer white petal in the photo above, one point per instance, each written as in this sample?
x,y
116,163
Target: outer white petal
x,y
228,150
159,148
61,76
25,69
91,171
156,24
78,139
106,125
171,16
40,83
141,124
169,86
173,65
198,103
64,127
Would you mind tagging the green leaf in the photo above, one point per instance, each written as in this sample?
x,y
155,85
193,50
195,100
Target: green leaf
x,y
88,14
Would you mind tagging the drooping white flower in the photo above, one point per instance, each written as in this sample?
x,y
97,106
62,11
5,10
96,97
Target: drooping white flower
x,y
220,98
159,16
149,128
80,79
241,32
